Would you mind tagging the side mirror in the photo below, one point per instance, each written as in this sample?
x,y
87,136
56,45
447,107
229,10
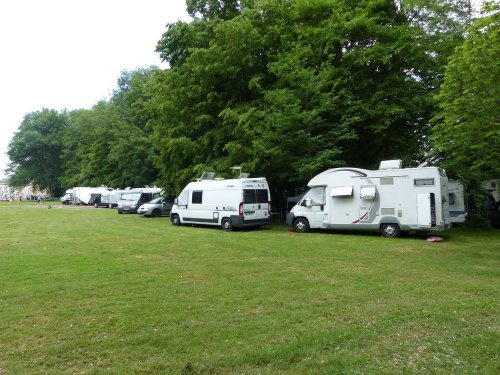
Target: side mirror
x,y
308,202
175,201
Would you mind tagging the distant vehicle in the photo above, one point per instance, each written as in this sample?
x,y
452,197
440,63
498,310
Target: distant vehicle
x,y
242,202
157,207
68,197
456,201
108,199
390,200
131,200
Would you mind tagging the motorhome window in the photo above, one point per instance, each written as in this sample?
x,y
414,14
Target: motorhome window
x,y
451,198
386,181
317,195
197,197
262,196
249,196
423,182
341,191
182,199
368,192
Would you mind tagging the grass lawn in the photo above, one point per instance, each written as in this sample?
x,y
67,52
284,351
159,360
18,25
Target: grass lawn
x,y
86,290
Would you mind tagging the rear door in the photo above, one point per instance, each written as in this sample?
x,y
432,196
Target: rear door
x,y
256,203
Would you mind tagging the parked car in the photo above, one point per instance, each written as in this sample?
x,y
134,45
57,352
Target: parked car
x,y
156,207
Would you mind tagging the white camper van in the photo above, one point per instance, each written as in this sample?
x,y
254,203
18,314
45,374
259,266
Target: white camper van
x,y
389,200
242,202
132,199
456,201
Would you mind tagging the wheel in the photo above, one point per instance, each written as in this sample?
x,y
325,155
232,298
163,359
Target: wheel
x,y
120,212
301,225
96,205
110,205
390,230
156,212
226,224
175,220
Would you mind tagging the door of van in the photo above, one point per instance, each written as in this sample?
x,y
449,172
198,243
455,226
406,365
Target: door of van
x,y
256,204
426,210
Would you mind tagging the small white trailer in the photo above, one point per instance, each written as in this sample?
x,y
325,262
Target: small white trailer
x,y
390,200
239,203
456,201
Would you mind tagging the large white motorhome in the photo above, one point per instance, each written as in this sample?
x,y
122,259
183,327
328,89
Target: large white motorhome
x,y
109,199
130,200
389,200
456,201
239,203
83,195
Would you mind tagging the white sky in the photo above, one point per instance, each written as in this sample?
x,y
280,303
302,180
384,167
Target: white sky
x,y
59,54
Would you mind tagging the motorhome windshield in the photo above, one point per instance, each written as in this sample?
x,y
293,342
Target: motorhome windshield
x,y
131,196
317,196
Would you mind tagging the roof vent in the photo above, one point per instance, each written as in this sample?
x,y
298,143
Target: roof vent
x,y
390,164
244,175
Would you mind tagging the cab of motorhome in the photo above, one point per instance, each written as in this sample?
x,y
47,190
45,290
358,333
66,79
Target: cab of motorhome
x,y
238,203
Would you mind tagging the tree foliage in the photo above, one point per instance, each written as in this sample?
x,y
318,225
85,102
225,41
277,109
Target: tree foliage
x,y
289,88
35,149
467,125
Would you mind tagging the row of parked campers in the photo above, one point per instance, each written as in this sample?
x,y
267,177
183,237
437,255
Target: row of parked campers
x,y
390,200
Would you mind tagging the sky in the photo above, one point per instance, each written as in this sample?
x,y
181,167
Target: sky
x,y
69,54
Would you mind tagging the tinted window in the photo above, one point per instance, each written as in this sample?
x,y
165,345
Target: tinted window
x,y
197,197
262,196
249,196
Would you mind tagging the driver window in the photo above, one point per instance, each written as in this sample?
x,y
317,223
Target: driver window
x,y
317,195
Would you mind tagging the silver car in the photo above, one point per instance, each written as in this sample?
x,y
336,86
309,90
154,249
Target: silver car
x,y
156,207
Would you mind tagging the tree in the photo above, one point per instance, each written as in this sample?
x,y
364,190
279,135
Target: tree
x,y
467,131
35,150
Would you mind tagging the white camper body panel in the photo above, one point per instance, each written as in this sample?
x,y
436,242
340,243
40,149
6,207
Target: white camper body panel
x,y
229,203
409,199
456,201
83,195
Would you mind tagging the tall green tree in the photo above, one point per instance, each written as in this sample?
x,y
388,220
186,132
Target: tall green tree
x,y
289,88
35,150
467,127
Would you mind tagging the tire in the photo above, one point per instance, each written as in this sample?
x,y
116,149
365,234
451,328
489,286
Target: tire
x,y
226,224
301,225
96,205
176,220
156,213
110,205
390,230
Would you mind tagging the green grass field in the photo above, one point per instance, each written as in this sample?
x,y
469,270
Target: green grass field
x,y
88,291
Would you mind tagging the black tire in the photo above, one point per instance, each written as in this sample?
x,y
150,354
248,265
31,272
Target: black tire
x,y
156,212
110,205
120,212
96,205
390,230
176,220
226,224
301,225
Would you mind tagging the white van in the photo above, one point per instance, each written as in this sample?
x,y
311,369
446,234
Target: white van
x,y
390,200
239,203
